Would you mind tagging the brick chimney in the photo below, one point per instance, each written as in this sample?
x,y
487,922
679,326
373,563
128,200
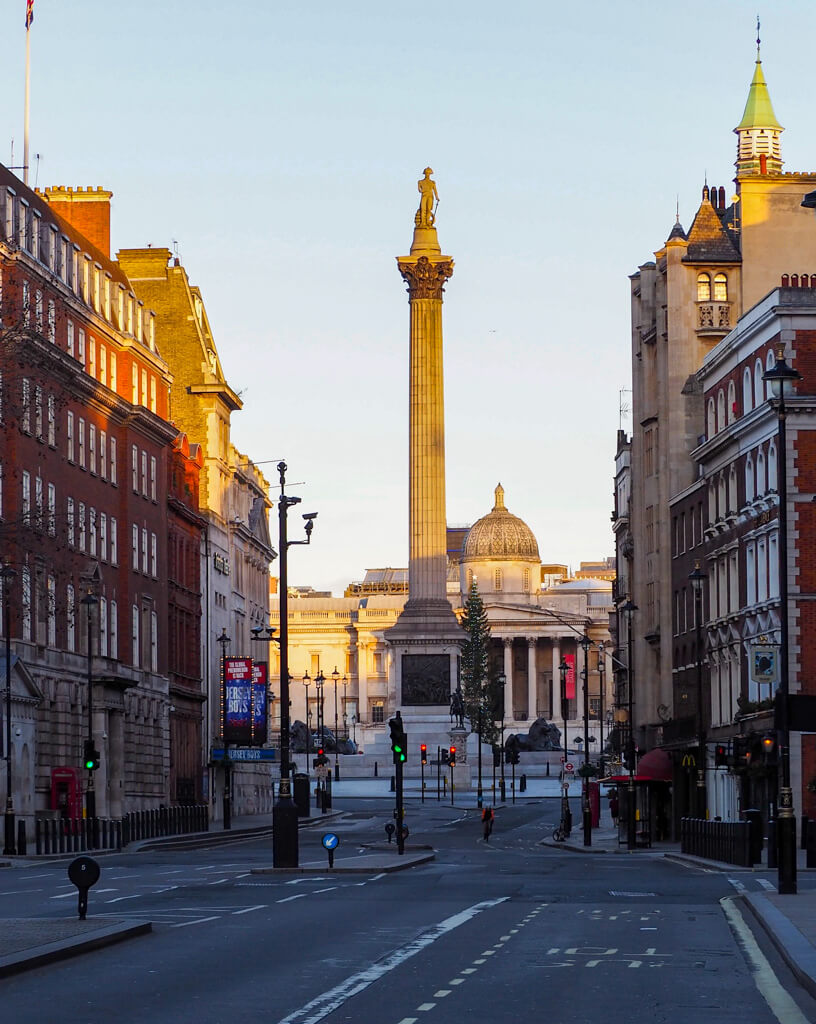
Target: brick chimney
x,y
86,209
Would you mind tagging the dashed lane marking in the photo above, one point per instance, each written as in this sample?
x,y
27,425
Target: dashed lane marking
x,y
426,1006
200,920
456,981
469,970
297,896
442,993
766,884
329,1001
248,910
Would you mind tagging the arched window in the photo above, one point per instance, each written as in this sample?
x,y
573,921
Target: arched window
x,y
497,579
721,410
773,483
733,503
712,421
761,480
703,288
770,362
759,383
747,392
712,503
722,497
732,402
720,288
750,488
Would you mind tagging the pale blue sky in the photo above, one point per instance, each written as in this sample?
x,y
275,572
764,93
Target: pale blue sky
x,y
280,143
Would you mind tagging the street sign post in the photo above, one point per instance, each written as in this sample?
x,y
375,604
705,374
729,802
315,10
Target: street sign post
x,y
330,843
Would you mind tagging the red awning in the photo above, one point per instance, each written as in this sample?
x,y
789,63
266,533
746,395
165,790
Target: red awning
x,y
655,766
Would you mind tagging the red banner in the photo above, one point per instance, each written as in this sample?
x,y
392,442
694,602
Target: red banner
x,y
569,681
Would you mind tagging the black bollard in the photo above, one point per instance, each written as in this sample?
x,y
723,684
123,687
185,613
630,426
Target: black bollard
x,y
375,770
393,784
21,839
772,851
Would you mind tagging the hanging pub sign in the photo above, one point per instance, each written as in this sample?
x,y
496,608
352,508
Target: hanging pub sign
x,y
259,703
238,700
569,679
764,662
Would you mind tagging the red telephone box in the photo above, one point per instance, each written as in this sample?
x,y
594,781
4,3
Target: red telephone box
x,y
66,792
595,803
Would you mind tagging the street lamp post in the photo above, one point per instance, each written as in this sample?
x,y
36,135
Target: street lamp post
x,y
224,642
320,683
631,836
336,680
566,813
345,683
284,813
307,682
586,644
7,574
781,377
89,600
602,678
697,578
501,682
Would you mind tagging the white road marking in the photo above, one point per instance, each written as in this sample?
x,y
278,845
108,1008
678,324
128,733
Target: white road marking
x,y
326,1003
426,1006
766,884
781,1004
456,981
63,895
40,874
442,993
120,898
218,881
244,875
331,888
469,970
200,920
297,896
482,961
15,892
504,938
409,1020
738,885
374,878
246,910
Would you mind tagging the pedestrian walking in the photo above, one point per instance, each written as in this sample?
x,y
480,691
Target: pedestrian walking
x,y
614,806
487,822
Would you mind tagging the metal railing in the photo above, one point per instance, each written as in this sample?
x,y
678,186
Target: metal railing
x,y
77,835
727,841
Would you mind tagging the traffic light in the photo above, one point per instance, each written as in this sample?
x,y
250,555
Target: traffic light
x,y
721,755
90,756
320,759
496,755
399,741
512,755
423,753
452,757
742,752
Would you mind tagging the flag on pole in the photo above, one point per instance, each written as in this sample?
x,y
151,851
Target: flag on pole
x,y
29,12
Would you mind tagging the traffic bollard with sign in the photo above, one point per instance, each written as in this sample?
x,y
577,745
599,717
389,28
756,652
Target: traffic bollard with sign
x,y
83,873
330,843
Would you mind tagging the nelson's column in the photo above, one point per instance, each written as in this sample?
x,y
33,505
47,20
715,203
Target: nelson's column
x,y
425,640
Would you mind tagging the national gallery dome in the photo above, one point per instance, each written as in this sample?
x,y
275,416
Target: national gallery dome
x,y
500,536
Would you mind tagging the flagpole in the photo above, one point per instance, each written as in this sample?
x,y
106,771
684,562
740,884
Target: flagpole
x,y
27,103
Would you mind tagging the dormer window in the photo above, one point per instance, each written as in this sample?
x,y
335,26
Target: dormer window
x,y
703,288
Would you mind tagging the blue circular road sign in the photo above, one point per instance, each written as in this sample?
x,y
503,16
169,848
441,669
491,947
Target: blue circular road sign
x,y
331,841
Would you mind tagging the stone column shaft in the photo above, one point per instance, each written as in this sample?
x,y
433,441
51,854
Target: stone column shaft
x,y
362,683
532,679
508,678
556,683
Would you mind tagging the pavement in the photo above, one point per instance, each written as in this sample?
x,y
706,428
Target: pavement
x,y
790,921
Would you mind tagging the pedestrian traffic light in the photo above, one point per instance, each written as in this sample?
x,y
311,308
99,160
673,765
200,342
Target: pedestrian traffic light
x,y
91,756
423,753
496,755
512,755
721,755
399,741
452,757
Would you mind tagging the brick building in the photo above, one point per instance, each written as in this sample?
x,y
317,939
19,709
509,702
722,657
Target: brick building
x,y
84,448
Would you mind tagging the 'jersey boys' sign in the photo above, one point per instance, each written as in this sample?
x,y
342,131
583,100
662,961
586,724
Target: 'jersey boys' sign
x,y
238,700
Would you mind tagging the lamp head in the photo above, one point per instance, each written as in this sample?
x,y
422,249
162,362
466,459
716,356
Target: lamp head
x,y
781,376
697,578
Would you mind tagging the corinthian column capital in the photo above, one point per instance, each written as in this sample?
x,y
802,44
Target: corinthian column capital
x,y
425,279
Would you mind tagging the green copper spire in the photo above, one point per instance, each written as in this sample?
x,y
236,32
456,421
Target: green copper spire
x,y
759,111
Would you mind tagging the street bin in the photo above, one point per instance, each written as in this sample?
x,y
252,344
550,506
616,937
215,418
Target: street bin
x,y
754,816
300,794
523,784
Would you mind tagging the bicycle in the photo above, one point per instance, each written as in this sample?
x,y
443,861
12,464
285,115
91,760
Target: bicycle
x,y
560,834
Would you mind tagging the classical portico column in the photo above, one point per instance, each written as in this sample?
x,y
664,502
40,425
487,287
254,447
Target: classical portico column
x,y
508,678
362,682
532,679
557,714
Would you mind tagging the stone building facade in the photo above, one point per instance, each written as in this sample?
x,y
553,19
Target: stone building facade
x,y
233,500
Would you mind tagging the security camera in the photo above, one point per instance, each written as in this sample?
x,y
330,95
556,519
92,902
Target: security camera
x,y
310,515
256,630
